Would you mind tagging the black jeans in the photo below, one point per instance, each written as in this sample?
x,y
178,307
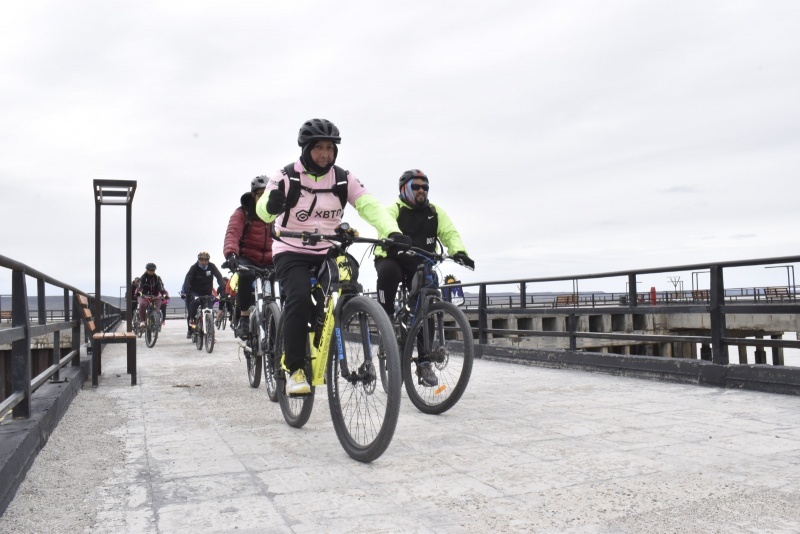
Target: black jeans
x,y
191,305
294,275
391,272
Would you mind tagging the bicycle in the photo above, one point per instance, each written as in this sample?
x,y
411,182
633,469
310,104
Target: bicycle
x,y
259,347
203,333
342,348
152,322
222,322
433,330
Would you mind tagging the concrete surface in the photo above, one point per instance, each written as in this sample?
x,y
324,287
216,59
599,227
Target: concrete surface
x,y
193,449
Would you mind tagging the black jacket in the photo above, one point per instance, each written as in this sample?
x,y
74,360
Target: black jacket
x,y
199,282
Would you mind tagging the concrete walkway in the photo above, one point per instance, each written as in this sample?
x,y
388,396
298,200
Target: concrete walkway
x,y
193,449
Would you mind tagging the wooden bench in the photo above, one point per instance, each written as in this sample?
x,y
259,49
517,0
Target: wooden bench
x,y
700,294
101,338
5,315
779,293
565,300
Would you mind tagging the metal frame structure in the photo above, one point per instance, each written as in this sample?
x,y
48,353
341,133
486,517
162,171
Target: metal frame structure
x,y
112,193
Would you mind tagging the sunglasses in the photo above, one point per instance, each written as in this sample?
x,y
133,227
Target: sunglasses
x,y
417,187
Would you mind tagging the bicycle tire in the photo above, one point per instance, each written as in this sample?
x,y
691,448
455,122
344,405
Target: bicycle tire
x,y
364,416
137,325
272,316
209,331
150,330
198,332
452,354
296,410
256,356
382,361
224,320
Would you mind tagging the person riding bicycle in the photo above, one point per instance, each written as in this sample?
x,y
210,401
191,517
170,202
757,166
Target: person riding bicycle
x,y
315,203
199,282
424,222
164,302
247,242
134,302
150,286
224,299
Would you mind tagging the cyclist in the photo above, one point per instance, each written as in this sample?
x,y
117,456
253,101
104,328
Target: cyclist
x,y
164,302
224,299
133,289
150,285
315,203
247,242
199,282
424,222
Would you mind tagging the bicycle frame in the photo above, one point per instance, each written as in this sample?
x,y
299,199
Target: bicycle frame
x,y
320,343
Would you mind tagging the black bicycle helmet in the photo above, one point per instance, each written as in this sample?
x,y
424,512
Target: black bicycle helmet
x,y
410,175
315,129
259,182
150,267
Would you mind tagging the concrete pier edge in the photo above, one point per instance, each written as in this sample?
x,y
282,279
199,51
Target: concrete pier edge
x,y
21,440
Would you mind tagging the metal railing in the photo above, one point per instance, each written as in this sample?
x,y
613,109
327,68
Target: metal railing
x,y
25,326
716,301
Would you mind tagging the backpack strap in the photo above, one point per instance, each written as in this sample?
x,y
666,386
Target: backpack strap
x,y
293,195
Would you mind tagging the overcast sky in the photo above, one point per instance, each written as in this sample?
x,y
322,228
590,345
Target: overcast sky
x,y
561,137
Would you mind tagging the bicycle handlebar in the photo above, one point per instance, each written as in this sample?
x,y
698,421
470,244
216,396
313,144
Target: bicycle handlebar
x,y
347,235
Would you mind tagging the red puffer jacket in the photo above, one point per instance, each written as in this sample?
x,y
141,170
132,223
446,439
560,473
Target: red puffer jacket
x,y
248,236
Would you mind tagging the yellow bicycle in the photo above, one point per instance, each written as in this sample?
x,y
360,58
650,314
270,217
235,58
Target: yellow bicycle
x,y
343,353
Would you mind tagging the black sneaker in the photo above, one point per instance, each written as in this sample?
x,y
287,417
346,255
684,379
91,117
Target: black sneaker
x,y
426,375
189,334
243,330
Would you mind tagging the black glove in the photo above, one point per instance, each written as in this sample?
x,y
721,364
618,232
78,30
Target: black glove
x,y
462,259
232,262
277,202
400,239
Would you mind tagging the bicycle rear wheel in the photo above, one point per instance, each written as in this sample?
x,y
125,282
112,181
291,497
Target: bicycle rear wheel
x,y
270,324
364,415
210,332
451,354
256,355
151,329
295,409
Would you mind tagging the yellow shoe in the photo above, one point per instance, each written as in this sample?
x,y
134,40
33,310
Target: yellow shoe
x,y
297,384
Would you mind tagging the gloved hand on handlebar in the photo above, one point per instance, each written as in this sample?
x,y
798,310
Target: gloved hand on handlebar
x,y
400,239
462,258
277,202
231,262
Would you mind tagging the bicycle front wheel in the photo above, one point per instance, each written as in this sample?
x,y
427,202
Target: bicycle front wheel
x,y
364,415
295,409
210,332
270,324
255,357
450,353
198,333
151,330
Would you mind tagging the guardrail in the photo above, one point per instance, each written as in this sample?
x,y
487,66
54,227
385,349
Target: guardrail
x,y
23,330
716,301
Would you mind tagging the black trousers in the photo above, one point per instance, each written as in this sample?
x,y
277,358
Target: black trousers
x,y
245,297
294,275
391,272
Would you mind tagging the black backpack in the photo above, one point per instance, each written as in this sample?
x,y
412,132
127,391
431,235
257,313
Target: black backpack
x,y
293,195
